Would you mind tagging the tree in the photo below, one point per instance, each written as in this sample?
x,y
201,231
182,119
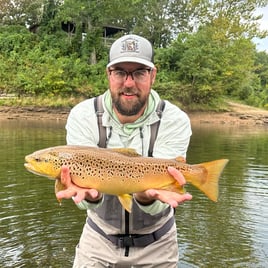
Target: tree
x,y
261,70
218,56
20,12
203,50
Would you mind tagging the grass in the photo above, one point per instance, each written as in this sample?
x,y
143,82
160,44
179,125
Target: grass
x,y
53,102
69,102
58,102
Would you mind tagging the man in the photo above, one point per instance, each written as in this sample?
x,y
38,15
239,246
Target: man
x,y
112,237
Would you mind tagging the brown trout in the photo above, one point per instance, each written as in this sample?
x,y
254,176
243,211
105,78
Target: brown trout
x,y
122,172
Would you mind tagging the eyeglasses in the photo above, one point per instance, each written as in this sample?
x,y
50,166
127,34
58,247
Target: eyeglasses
x,y
139,75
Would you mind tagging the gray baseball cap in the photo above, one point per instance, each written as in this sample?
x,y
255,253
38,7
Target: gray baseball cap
x,y
131,48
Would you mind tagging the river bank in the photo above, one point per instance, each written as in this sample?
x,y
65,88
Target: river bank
x,y
237,114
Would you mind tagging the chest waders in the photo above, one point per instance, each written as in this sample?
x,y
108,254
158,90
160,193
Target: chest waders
x,y
103,140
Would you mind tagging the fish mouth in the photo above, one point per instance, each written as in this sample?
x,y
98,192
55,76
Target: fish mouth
x,y
31,168
27,163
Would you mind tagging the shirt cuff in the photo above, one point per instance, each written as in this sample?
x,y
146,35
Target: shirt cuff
x,y
84,205
156,207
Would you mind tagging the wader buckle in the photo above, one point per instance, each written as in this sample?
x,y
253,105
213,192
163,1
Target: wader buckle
x,y
125,241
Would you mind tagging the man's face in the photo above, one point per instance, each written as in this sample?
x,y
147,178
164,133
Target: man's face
x,y
130,85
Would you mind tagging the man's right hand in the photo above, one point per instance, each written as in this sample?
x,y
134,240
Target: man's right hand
x,y
73,191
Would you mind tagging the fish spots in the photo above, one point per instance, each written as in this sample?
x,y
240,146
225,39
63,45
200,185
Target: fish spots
x,y
160,168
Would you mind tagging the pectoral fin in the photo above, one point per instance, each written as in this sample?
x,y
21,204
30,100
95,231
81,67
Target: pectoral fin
x,y
59,187
175,187
126,201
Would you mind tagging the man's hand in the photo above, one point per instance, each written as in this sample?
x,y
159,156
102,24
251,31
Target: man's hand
x,y
173,199
73,191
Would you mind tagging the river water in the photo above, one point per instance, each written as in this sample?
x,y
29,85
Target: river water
x,y
36,232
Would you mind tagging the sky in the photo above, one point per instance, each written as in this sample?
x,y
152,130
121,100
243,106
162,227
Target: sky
x,y
262,44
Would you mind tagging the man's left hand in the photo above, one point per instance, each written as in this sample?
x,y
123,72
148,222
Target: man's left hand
x,y
172,198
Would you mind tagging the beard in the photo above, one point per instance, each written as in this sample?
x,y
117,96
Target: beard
x,y
128,107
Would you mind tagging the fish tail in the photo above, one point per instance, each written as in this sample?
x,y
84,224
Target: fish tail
x,y
208,182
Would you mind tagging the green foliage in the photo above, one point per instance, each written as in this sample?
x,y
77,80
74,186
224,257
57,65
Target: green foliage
x,y
169,90
212,54
257,94
196,63
43,65
261,68
20,12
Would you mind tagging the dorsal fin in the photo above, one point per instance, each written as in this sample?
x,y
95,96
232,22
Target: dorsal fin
x,y
126,151
180,159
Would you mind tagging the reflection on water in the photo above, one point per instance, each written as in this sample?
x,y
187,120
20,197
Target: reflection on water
x,y
234,231
37,232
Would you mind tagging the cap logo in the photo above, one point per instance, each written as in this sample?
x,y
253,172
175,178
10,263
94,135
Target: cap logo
x,y
130,45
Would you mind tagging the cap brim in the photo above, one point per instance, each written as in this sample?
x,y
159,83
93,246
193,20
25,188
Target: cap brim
x,y
131,59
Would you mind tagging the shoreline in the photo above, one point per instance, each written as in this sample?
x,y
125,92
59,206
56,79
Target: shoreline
x,y
237,114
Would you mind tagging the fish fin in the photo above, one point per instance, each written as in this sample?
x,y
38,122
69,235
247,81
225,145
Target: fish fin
x,y
180,159
209,182
174,187
126,151
126,201
59,187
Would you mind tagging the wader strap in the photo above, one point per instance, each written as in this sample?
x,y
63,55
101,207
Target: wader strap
x,y
155,126
133,240
102,130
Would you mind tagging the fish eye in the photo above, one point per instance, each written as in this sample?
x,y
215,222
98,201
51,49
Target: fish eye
x,y
37,159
